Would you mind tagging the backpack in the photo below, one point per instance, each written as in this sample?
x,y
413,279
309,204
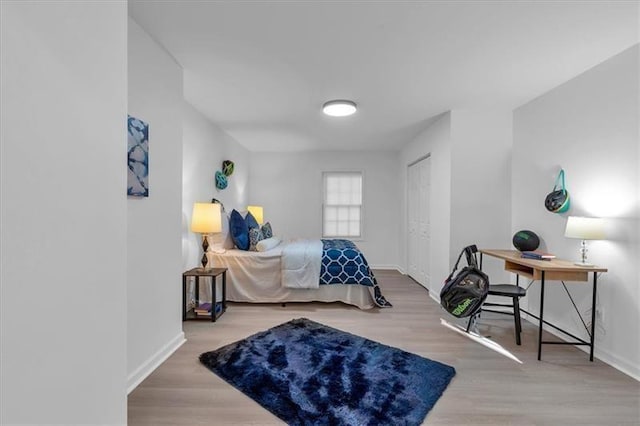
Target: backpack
x,y
463,294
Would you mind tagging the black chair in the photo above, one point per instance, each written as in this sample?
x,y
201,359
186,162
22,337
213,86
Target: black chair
x,y
515,292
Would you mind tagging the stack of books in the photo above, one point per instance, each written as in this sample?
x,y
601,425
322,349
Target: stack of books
x,y
203,310
537,255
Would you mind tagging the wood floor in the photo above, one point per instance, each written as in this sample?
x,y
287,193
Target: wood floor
x,y
488,389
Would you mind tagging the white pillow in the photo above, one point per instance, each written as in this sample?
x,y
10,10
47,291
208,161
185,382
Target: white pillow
x,y
222,239
267,244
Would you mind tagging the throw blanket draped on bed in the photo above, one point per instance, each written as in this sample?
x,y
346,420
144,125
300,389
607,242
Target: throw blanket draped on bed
x,y
344,263
301,260
310,263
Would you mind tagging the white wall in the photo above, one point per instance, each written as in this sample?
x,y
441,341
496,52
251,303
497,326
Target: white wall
x,y
588,126
470,187
63,271
289,187
205,147
436,142
154,268
481,142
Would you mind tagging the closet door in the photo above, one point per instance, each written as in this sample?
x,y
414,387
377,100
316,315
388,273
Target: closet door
x,y
418,221
424,223
412,221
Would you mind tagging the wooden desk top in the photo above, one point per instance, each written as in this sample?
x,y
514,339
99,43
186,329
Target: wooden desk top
x,y
554,269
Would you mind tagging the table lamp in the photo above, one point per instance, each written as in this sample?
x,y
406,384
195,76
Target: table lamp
x,y
205,220
584,228
257,213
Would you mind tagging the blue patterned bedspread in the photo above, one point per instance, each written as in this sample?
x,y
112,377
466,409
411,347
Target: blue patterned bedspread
x,y
344,263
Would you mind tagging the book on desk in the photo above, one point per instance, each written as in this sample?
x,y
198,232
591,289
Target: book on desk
x,y
537,255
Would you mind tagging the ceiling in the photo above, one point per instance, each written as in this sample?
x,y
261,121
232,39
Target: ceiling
x,y
261,70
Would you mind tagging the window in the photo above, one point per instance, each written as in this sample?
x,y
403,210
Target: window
x,y
342,206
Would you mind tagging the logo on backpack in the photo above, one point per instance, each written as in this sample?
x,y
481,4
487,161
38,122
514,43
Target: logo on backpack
x,y
461,307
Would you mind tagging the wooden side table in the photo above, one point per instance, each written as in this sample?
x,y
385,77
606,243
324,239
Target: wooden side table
x,y
212,273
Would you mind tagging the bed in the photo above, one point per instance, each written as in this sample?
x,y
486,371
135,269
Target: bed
x,y
301,271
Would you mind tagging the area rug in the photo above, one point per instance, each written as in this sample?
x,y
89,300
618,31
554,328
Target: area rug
x,y
307,373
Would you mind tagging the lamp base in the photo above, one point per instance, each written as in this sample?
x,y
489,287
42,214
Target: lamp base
x,y
205,259
583,255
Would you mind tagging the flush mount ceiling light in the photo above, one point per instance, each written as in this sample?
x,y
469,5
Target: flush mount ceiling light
x,y
339,108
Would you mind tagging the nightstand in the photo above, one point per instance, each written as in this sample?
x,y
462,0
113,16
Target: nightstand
x,y
217,308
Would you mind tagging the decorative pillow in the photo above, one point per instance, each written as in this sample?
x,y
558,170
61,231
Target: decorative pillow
x,y
266,230
251,221
239,230
255,236
267,244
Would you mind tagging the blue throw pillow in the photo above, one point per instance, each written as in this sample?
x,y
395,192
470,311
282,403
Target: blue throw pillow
x,y
251,221
239,230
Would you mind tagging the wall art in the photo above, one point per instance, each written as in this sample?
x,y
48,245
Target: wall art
x,y
137,157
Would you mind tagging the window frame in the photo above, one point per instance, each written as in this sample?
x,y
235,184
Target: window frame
x,y
326,173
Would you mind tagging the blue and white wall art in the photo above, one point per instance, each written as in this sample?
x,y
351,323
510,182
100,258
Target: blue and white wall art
x,y
138,157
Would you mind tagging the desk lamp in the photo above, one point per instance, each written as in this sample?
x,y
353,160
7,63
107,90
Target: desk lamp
x,y
206,220
584,228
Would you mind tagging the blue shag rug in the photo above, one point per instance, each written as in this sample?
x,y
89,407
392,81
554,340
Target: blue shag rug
x,y
309,374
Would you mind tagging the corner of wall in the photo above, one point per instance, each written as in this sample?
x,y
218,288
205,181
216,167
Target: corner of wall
x,y
154,361
205,146
155,84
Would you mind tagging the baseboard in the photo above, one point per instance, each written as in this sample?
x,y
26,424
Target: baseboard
x,y
607,357
435,297
387,268
154,362
619,364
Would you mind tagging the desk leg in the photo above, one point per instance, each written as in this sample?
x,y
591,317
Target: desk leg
x,y
541,313
213,299
184,298
593,316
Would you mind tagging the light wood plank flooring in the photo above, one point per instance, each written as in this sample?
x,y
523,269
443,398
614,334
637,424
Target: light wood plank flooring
x,y
488,389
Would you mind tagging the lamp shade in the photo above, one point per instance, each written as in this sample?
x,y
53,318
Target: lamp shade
x,y
256,211
585,228
206,218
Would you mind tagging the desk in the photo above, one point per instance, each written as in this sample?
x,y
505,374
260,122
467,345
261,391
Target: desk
x,y
555,269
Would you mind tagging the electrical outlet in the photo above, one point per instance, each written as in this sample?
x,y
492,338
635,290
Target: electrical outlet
x,y
600,319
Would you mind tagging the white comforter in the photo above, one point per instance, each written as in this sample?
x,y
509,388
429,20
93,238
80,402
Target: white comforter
x,y
300,264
